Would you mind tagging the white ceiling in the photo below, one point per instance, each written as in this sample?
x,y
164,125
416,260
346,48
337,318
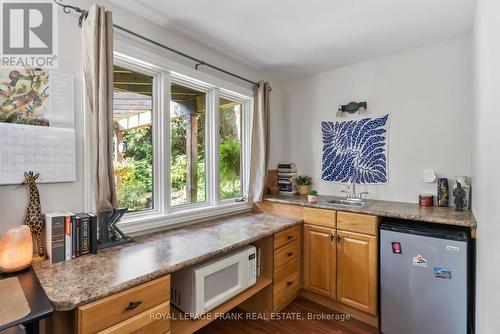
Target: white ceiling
x,y
292,38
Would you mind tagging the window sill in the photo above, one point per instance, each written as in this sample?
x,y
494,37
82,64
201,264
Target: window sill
x,y
149,223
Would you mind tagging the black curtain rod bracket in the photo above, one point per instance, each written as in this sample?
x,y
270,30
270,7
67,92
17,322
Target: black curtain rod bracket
x,y
83,15
198,65
68,9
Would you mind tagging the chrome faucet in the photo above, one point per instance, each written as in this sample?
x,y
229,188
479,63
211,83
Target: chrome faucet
x,y
351,191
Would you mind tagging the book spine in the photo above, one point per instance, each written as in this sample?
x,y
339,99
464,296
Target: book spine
x,y
48,235
85,249
58,239
78,236
67,238
93,234
73,237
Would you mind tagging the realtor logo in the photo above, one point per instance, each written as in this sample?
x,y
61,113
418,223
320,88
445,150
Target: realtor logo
x,y
29,34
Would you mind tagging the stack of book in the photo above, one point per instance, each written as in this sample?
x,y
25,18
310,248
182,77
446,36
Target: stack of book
x,y
286,178
68,235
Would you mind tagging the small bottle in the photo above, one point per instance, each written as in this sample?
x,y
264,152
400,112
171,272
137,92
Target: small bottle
x,y
443,192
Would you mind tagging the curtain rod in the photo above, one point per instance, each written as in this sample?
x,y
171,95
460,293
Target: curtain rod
x,y
83,15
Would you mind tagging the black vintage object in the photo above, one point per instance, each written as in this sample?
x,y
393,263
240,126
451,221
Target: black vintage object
x,y
109,233
443,191
37,300
459,194
352,107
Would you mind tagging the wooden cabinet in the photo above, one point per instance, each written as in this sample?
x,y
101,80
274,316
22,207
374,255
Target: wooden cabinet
x,y
320,260
284,237
357,271
355,222
148,322
286,253
286,283
287,273
128,311
341,263
321,217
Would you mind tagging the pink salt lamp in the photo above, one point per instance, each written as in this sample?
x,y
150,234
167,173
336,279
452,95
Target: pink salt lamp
x,y
16,249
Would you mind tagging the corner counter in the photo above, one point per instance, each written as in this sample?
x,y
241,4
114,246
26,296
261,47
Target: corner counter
x,y
73,283
433,214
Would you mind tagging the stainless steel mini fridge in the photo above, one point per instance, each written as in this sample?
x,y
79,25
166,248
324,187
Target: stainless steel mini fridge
x,y
423,279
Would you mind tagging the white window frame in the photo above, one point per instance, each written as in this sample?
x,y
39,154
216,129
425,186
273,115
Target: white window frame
x,y
149,60
245,143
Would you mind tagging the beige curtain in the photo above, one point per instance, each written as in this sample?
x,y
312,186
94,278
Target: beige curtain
x,y
98,73
260,142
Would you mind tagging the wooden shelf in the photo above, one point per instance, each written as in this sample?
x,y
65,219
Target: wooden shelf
x,y
187,326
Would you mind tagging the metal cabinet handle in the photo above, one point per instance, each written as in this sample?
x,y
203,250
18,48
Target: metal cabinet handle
x,y
338,238
290,237
331,237
289,283
289,253
133,305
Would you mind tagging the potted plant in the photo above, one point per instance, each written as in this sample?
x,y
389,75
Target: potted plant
x,y
304,183
312,196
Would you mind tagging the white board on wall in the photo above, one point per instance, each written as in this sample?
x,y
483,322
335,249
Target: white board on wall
x,y
44,150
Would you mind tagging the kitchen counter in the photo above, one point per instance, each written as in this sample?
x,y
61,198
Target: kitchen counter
x,y
91,277
434,214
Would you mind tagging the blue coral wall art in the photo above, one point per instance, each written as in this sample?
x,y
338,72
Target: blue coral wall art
x,y
355,148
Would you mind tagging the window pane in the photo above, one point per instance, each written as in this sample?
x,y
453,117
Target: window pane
x,y
230,148
187,132
132,139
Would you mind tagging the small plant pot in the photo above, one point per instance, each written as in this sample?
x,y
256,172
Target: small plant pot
x,y
312,198
303,190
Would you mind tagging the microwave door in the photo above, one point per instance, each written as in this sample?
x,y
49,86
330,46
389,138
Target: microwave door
x,y
219,281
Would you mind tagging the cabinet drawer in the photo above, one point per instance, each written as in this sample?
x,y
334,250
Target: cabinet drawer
x,y
154,320
284,237
111,310
326,218
286,253
355,222
286,283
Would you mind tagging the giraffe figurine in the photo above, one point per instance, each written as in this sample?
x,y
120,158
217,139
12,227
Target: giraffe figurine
x,y
34,217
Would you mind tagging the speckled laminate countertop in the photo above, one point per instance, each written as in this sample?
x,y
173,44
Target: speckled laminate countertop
x,y
73,283
439,215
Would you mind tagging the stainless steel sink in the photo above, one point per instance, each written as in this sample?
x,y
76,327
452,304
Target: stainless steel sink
x,y
348,202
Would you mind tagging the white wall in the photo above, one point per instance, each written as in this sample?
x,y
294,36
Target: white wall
x,y
486,162
427,92
69,196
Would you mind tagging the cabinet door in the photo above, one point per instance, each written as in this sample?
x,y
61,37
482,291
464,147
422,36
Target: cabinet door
x,y
320,260
357,271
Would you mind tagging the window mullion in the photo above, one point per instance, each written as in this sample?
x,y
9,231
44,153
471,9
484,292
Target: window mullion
x,y
246,144
214,128
165,142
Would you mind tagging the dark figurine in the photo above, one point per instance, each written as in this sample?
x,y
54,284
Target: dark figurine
x,y
459,194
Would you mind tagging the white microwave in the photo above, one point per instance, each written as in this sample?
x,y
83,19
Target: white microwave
x,y
198,289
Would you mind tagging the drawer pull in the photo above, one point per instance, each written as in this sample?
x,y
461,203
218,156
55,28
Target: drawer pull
x,y
289,283
290,237
133,305
289,253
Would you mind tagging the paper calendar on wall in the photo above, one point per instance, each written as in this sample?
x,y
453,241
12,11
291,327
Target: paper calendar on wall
x,y
36,126
44,150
